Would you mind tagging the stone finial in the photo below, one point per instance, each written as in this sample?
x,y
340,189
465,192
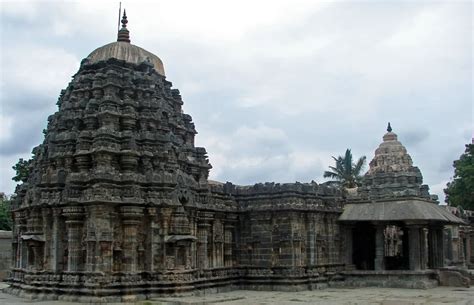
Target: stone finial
x,y
123,33
389,128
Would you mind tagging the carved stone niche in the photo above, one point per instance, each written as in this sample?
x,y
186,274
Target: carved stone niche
x,y
103,162
35,248
178,251
179,222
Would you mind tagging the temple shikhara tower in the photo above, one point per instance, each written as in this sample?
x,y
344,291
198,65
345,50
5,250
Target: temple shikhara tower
x,y
118,205
394,223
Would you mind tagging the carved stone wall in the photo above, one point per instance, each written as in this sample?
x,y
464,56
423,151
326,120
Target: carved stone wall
x,y
291,225
118,204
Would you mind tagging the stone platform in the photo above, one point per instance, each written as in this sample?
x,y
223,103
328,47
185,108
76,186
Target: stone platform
x,y
332,296
423,279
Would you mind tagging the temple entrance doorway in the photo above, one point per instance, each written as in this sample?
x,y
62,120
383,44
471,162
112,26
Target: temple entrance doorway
x,y
363,237
393,250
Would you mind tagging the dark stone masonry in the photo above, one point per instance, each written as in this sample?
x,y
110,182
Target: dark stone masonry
x,y
118,205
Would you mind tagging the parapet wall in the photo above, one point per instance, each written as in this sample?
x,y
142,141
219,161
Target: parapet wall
x,y
291,225
286,196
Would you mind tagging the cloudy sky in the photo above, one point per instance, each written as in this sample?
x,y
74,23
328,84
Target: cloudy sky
x,y
275,87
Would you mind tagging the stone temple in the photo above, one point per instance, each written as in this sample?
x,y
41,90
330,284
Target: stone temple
x,y
118,205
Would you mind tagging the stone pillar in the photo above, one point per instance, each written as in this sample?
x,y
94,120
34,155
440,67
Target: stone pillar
x,y
74,224
468,247
211,249
15,243
436,247
132,217
440,245
203,229
461,251
228,241
414,249
167,248
91,253
331,233
424,248
432,253
379,247
193,248
155,242
14,253
311,236
218,237
22,251
56,247
49,238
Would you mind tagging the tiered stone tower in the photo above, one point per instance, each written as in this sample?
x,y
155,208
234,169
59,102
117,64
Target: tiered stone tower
x,y
391,172
114,185
117,204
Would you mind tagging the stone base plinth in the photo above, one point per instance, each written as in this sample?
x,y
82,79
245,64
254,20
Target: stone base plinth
x,y
129,287
389,279
121,287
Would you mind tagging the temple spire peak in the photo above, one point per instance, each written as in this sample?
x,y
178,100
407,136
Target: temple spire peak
x,y
389,128
123,33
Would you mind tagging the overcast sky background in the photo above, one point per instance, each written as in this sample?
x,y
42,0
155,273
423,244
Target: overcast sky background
x,y
275,88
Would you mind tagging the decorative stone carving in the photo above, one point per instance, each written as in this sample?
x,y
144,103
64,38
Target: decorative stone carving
x,y
391,173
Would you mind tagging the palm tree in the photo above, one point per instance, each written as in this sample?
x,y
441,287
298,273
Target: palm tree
x,y
346,173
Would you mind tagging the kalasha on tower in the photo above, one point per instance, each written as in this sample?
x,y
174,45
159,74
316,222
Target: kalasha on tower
x,y
118,205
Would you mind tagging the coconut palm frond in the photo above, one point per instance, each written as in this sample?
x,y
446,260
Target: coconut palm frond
x,y
345,172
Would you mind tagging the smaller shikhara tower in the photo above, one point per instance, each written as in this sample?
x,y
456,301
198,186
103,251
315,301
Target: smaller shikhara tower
x,y
113,190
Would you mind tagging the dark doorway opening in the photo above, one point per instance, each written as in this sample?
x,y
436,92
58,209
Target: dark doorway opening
x,y
363,255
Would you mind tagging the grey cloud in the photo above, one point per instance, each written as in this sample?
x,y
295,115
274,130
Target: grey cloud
x,y
413,138
326,79
26,133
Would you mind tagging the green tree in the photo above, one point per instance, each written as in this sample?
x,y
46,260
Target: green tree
x,y
5,214
22,169
346,173
460,191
